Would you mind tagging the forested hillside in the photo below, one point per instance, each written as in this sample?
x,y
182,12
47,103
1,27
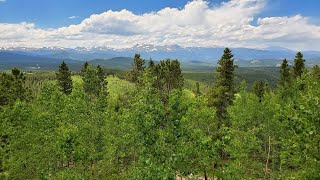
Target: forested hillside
x,y
151,123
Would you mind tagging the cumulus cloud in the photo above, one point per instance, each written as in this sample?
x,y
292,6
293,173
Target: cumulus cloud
x,y
198,23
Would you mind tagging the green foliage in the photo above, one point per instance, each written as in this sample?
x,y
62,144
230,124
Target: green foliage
x,y
299,66
197,91
316,71
84,68
164,77
222,92
13,87
284,73
254,137
301,127
157,129
137,69
169,75
259,88
94,82
269,138
64,78
60,136
197,148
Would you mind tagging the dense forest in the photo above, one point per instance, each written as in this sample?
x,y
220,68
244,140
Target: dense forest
x,y
147,124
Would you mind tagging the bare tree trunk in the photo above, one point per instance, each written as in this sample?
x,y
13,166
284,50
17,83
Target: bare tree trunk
x,y
267,162
205,174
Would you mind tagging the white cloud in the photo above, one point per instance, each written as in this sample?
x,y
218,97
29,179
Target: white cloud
x,y
2,1
197,24
73,17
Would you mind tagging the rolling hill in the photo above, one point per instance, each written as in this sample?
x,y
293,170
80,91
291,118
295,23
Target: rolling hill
x,y
27,62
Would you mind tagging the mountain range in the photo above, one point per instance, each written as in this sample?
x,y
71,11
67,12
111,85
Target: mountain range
x,y
33,58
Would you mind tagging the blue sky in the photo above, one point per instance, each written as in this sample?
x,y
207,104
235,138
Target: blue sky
x,y
49,16
55,13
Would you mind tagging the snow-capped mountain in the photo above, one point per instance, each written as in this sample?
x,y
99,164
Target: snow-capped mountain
x,y
147,51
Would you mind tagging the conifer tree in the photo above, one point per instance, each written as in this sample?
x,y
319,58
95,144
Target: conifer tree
x,y
284,72
100,73
151,64
102,80
85,65
137,69
94,80
170,75
298,65
64,78
197,91
12,87
20,92
222,92
91,82
259,88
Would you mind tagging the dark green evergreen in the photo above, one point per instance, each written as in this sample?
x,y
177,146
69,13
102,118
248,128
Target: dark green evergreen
x,y
151,64
12,87
64,78
94,82
197,91
284,73
85,65
221,94
259,88
170,75
299,66
137,69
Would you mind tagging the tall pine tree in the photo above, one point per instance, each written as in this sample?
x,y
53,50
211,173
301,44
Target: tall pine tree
x,y
197,92
85,65
298,65
137,69
94,82
100,73
222,92
102,80
64,78
259,88
284,72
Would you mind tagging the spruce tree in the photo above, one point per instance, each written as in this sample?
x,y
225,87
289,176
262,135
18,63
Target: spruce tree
x,y
137,69
197,91
298,65
151,64
91,81
169,75
94,82
259,88
19,89
222,92
284,72
64,78
85,65
102,80
100,73
12,87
